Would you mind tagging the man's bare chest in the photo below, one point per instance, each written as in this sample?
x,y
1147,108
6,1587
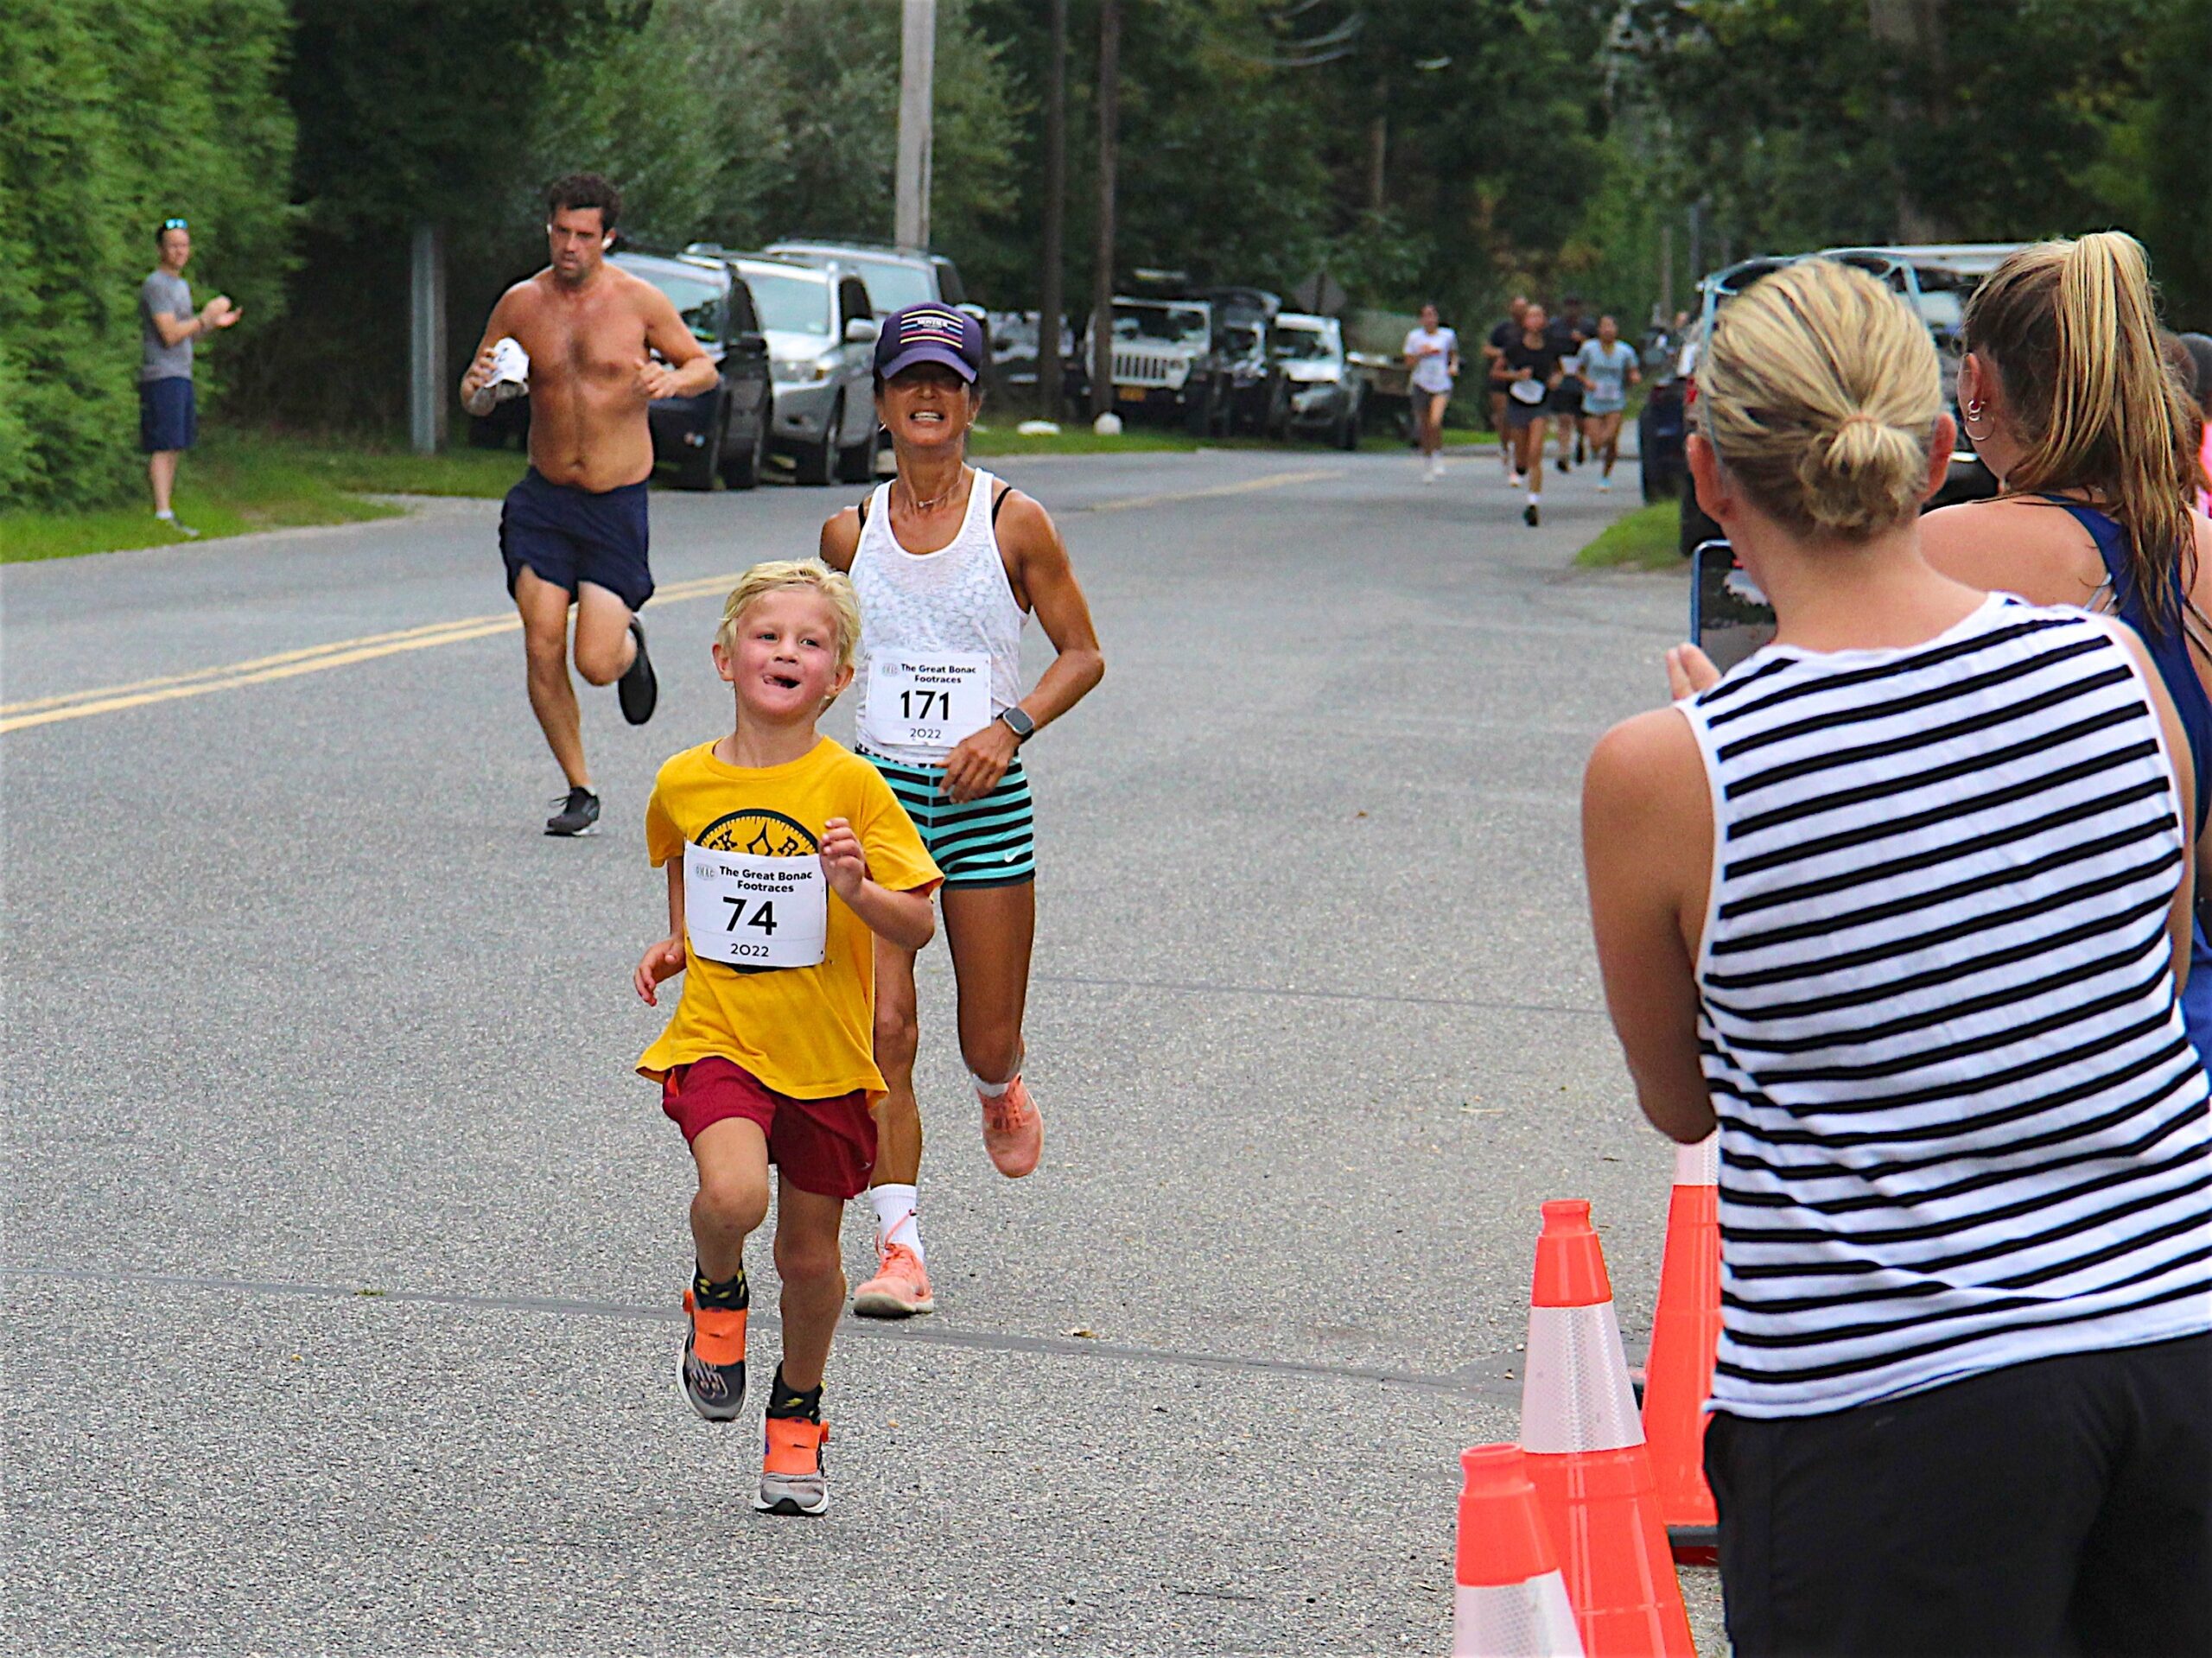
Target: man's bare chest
x,y
599,343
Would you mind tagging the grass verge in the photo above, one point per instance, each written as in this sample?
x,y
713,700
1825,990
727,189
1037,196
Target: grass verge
x,y
1645,539
237,482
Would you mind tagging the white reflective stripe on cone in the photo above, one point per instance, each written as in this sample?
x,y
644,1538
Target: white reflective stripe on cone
x,y
1577,1397
1514,1620
1698,1164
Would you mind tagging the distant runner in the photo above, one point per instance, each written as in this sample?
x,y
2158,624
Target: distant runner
x,y
1533,369
1607,366
950,563
1568,334
578,335
1432,354
1494,354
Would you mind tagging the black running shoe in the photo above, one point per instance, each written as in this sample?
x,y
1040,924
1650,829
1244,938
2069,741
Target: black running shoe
x,y
1563,467
637,690
577,814
1528,513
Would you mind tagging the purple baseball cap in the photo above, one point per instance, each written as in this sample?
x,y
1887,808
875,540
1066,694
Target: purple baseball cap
x,y
930,333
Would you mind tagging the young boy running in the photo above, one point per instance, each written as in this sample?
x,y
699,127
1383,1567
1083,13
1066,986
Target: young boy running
x,y
787,858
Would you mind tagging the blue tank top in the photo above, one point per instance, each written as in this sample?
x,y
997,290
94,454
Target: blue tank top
x,y
2169,652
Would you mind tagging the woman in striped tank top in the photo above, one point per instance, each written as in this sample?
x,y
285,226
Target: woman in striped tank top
x,y
1901,903
950,563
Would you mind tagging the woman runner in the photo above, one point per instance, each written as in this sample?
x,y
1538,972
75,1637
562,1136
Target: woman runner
x,y
1532,369
950,563
1607,368
1433,359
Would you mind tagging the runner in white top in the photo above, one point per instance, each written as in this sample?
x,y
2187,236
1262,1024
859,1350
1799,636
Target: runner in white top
x,y
1432,354
950,563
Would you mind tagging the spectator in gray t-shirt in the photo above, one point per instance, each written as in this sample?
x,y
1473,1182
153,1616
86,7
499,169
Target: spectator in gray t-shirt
x,y
168,419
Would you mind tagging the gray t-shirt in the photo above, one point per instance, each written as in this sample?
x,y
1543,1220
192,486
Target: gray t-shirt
x,y
163,293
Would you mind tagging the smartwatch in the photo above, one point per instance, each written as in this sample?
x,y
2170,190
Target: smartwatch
x,y
1018,723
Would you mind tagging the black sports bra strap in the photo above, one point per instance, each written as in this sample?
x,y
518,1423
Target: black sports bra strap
x,y
864,501
998,503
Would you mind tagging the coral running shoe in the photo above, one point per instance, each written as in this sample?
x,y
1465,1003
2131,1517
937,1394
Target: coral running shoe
x,y
1013,1131
714,1360
791,1481
900,1289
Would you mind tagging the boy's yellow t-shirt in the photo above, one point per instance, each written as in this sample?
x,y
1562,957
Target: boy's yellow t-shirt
x,y
807,1031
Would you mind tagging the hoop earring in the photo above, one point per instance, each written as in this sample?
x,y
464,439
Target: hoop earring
x,y
1975,409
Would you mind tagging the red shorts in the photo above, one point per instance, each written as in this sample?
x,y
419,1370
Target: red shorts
x,y
824,1146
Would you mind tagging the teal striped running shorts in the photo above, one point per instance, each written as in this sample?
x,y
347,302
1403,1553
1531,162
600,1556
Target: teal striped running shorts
x,y
986,842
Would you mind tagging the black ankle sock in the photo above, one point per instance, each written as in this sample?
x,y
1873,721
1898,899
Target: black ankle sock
x,y
783,1399
732,1295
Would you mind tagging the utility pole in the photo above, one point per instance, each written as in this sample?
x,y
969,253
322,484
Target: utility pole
x,y
916,69
1102,286
427,391
1051,301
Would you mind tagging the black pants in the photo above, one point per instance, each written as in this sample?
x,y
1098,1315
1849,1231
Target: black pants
x,y
2061,1507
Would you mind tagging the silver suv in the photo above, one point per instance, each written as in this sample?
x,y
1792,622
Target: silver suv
x,y
896,276
821,332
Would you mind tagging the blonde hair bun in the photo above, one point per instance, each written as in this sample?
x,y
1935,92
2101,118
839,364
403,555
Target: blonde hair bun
x,y
1820,391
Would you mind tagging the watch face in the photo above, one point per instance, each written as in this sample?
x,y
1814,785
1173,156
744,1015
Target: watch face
x,y
1018,723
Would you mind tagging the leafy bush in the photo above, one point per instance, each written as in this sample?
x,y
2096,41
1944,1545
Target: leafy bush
x,y
113,116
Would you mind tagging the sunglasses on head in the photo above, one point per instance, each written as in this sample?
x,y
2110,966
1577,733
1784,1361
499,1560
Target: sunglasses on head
x,y
176,224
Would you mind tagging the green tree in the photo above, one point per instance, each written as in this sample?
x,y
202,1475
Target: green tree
x,y
112,118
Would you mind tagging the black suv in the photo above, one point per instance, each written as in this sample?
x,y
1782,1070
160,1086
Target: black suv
x,y
723,431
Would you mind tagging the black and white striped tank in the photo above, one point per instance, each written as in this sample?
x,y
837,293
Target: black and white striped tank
x,y
1961,1126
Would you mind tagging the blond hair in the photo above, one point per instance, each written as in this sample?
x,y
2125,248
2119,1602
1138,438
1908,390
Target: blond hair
x,y
1820,391
804,574
2072,330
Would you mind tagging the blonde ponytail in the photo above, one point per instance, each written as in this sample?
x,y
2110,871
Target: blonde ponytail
x,y
2072,330
1820,391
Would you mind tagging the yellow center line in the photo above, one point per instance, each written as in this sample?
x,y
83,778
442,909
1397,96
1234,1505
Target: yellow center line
x,y
288,665
1272,480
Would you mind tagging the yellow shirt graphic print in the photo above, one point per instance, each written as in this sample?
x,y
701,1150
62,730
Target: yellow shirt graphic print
x,y
807,1031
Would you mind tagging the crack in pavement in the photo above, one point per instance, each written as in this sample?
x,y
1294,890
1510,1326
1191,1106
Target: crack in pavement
x,y
1457,1382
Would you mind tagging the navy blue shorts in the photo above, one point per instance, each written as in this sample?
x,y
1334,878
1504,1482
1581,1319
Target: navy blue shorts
x,y
167,418
567,535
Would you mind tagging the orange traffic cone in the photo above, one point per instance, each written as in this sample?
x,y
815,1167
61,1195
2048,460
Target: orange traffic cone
x,y
1510,1601
1586,1457
1685,1331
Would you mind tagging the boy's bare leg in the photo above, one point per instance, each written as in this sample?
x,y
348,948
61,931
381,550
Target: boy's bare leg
x,y
732,1197
990,930
812,1268
544,610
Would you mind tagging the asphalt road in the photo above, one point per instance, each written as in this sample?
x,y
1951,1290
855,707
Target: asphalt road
x,y
343,1247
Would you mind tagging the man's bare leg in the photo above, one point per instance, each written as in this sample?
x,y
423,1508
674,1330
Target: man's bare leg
x,y
605,648
161,476
544,610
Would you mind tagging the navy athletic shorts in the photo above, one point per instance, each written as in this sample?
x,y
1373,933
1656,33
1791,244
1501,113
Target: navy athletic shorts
x,y
567,535
167,418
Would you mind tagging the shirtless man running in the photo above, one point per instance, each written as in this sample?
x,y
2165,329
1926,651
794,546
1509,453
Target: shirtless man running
x,y
572,531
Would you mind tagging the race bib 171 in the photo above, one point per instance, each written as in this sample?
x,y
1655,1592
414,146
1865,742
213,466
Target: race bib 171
x,y
754,911
927,703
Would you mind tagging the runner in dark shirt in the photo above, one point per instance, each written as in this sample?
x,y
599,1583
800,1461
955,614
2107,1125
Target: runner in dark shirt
x,y
1569,330
1532,369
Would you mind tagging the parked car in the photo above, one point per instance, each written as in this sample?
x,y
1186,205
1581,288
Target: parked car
x,y
1375,342
1937,280
896,276
724,432
1317,389
821,332
1244,339
1164,361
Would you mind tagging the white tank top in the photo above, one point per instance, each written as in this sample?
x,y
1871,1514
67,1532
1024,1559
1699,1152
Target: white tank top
x,y
954,605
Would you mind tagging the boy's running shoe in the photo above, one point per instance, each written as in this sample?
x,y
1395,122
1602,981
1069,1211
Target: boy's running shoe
x,y
1529,514
576,815
638,689
791,1480
714,1360
900,1289
1013,1131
